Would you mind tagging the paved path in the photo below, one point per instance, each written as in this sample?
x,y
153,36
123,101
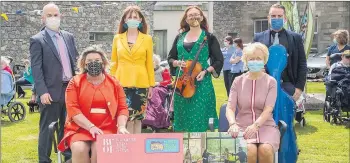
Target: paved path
x,y
315,101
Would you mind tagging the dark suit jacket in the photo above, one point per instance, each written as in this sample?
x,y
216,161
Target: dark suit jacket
x,y
46,63
296,65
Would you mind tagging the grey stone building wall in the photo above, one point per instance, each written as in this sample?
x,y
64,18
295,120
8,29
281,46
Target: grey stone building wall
x,y
331,17
99,22
238,18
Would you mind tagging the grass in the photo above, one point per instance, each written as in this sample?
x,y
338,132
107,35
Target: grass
x,y
318,141
315,87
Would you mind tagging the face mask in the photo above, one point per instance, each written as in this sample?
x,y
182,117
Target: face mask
x,y
132,23
335,41
255,66
277,23
226,43
53,23
94,68
193,22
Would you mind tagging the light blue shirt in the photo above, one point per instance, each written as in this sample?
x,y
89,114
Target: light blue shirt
x,y
227,54
237,67
54,40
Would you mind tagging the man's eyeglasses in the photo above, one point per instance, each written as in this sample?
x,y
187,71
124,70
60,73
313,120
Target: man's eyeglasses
x,y
347,57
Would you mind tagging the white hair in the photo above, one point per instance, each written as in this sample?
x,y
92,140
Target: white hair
x,y
156,58
5,61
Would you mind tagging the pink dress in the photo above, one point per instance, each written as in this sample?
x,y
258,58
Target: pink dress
x,y
250,97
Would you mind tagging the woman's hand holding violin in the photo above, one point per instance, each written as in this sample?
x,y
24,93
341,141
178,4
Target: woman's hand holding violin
x,y
177,63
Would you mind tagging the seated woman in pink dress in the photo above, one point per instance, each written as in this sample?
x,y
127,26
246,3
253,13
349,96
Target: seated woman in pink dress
x,y
254,95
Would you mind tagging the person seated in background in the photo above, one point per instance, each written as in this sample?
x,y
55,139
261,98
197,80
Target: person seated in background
x,y
96,104
345,62
156,114
26,79
7,90
5,63
255,94
340,40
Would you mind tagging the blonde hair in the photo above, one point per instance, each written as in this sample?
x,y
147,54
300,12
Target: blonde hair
x,y
252,48
88,50
342,36
346,53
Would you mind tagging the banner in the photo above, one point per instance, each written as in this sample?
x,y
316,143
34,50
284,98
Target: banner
x,y
200,147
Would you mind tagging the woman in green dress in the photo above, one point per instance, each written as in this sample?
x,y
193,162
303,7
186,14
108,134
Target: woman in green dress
x,y
193,114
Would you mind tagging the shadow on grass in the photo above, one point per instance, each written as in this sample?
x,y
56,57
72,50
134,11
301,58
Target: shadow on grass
x,y
5,122
306,130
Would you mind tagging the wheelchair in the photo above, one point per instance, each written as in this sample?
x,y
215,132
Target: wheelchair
x,y
337,101
14,110
9,106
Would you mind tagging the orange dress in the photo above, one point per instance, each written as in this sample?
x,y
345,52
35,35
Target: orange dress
x,y
83,97
101,120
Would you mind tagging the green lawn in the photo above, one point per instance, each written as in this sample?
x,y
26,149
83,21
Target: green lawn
x,y
318,141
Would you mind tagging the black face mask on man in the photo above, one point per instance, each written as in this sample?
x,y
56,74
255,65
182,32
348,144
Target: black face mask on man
x,y
94,68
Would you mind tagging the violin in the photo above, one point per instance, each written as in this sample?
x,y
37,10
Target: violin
x,y
284,106
185,85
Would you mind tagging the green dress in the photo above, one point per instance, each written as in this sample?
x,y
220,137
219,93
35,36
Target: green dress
x,y
192,114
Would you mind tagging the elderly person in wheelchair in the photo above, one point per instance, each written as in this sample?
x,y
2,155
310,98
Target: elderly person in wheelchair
x,y
338,86
7,83
157,112
254,95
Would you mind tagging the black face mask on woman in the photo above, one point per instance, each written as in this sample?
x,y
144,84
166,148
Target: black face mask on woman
x,y
94,68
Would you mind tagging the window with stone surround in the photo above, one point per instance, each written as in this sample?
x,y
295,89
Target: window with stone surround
x,y
101,36
260,25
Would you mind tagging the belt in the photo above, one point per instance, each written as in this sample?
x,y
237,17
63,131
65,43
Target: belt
x,y
98,110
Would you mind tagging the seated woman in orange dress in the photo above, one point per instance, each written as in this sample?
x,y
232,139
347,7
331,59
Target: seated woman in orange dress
x,y
96,104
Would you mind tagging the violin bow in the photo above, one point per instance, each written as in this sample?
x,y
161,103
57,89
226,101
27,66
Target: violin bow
x,y
172,94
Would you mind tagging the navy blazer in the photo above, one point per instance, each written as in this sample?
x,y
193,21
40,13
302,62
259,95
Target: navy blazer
x,y
296,66
46,63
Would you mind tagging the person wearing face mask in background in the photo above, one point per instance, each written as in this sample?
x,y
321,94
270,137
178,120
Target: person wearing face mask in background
x,y
254,95
294,75
237,64
132,64
96,104
227,52
192,115
340,40
53,60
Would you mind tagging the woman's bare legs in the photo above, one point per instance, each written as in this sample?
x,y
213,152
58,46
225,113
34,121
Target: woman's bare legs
x,y
93,152
252,153
80,151
265,153
130,127
137,126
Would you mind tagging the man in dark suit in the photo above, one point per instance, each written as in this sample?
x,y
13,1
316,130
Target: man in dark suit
x,y
294,75
53,60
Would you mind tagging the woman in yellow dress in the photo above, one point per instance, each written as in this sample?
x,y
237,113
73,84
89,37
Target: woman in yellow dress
x,y
132,64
